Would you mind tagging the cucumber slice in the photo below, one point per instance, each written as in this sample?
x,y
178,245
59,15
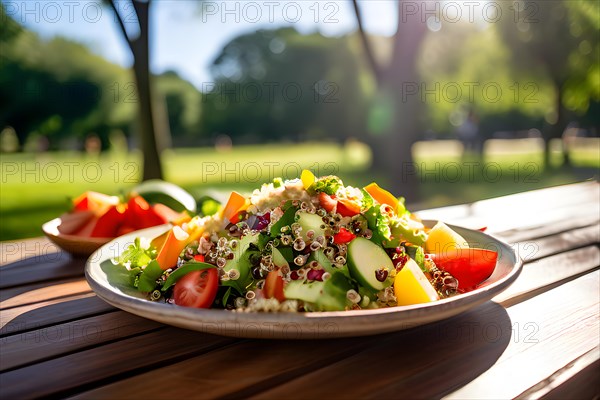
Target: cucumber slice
x,y
334,294
241,258
278,259
307,292
311,222
320,257
364,258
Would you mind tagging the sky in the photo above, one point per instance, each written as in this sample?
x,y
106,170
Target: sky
x,y
187,35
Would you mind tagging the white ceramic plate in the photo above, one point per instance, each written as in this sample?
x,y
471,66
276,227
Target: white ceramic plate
x,y
300,325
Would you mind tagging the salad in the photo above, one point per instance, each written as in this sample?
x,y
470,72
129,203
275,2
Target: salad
x,y
308,244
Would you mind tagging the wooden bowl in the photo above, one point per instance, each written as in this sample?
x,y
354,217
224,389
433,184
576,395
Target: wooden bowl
x,y
76,245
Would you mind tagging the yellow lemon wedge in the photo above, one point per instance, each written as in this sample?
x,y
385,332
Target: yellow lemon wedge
x,y
441,238
411,286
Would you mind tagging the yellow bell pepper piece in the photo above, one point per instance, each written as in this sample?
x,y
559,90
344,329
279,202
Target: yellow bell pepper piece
x,y
308,179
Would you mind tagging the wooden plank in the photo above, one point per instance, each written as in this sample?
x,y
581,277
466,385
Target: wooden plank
x,y
563,325
549,272
536,249
62,339
554,228
490,352
41,267
61,376
8,293
18,250
45,293
322,368
39,315
233,372
540,208
573,381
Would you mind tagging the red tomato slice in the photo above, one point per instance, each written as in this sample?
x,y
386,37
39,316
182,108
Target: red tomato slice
x,y
274,286
347,208
94,201
81,203
108,224
343,236
327,202
469,266
197,289
140,215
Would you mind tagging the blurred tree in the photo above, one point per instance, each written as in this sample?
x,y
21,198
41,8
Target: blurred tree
x,y
138,43
394,123
478,76
559,40
266,88
38,93
183,106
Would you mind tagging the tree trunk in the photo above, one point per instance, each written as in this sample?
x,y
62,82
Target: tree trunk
x,y
556,130
392,151
152,168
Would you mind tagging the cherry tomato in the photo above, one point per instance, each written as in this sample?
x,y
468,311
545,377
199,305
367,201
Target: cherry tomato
x,y
197,289
274,286
343,236
327,202
469,266
347,208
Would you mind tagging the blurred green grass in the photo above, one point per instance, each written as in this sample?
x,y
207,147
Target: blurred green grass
x,y
37,187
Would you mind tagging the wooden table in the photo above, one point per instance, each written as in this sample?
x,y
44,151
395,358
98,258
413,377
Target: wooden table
x,y
540,338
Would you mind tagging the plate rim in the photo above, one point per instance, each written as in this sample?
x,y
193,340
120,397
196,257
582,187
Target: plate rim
x,y
204,320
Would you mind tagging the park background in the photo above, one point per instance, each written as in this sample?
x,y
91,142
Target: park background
x,y
242,92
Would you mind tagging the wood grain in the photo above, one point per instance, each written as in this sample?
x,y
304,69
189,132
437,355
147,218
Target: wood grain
x,y
61,376
548,272
536,249
62,339
46,292
26,318
537,339
40,267
13,251
563,326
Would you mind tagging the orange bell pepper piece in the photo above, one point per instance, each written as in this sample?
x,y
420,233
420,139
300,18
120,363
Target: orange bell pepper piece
x,y
382,196
236,204
173,245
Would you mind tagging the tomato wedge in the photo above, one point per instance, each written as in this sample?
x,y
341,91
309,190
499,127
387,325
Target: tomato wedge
x,y
140,215
348,208
469,266
197,289
343,236
274,286
327,202
108,224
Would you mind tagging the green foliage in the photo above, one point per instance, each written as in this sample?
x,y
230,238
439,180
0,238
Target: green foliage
x,y
561,42
271,84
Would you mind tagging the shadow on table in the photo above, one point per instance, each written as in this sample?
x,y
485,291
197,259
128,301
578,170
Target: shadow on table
x,y
22,280
423,362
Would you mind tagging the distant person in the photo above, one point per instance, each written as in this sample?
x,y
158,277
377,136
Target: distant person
x,y
468,133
